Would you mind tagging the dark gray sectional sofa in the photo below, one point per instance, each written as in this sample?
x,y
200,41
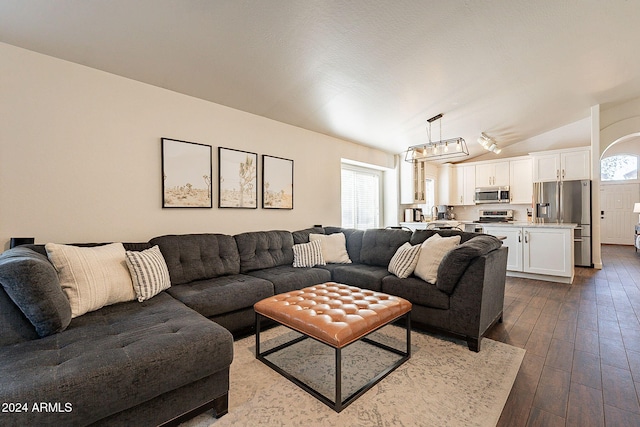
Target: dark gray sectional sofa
x,y
164,360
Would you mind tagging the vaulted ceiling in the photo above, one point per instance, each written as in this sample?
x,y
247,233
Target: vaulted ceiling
x,y
368,71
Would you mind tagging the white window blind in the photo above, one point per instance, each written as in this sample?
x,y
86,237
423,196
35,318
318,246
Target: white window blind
x,y
361,197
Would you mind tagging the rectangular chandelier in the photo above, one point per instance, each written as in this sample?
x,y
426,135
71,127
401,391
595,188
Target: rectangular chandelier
x,y
442,149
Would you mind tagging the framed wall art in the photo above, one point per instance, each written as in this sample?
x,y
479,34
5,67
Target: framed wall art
x,y
277,183
186,174
237,179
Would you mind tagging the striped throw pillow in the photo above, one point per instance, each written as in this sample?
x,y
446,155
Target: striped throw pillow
x,y
149,272
404,260
308,254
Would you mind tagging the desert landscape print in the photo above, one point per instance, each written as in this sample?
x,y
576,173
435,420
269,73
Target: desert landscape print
x,y
186,174
277,183
238,179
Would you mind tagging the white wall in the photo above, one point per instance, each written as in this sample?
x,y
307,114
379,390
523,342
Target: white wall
x,y
80,157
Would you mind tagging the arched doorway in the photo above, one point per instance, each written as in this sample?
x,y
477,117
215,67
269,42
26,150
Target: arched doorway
x,y
619,190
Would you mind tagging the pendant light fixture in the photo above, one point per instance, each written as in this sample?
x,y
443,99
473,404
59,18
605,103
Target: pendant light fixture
x,y
440,149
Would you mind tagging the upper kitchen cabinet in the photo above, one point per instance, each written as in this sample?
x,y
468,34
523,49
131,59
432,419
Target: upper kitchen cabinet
x,y
464,187
521,180
446,185
562,165
492,174
412,182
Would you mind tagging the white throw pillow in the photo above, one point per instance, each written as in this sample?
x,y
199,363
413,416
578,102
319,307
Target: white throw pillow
x,y
92,277
308,254
334,247
149,272
404,260
431,253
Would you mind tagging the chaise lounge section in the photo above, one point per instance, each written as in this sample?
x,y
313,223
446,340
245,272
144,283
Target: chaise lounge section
x,y
126,364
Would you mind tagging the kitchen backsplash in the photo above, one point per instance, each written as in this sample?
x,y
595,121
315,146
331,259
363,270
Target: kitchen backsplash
x,y
470,213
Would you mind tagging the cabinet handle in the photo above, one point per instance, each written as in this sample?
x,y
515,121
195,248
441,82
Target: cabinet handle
x,y
557,174
562,173
526,237
519,236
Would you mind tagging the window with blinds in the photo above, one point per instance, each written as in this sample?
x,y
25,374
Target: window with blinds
x,y
361,197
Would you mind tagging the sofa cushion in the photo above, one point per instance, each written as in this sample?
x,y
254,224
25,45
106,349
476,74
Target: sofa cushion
x,y
404,261
113,359
432,251
224,294
149,272
264,249
31,282
417,291
354,243
191,257
360,275
286,278
302,236
379,245
92,277
456,261
308,254
212,297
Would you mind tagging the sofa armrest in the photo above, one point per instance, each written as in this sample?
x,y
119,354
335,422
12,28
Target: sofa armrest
x,y
478,299
456,261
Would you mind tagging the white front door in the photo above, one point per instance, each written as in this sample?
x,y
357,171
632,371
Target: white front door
x,y
616,215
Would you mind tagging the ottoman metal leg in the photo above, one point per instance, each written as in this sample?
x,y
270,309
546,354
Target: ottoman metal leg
x,y
338,404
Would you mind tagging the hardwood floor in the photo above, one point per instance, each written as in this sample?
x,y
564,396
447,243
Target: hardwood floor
x,y
582,366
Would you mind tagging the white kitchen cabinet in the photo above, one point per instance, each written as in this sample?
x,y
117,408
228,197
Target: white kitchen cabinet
x,y
562,165
548,251
546,168
521,181
513,241
575,165
463,190
539,252
412,182
446,184
492,174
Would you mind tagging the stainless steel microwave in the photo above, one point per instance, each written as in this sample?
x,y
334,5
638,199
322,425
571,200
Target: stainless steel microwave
x,y
492,195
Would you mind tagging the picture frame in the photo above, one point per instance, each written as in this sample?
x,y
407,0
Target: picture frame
x,y
237,179
277,182
186,174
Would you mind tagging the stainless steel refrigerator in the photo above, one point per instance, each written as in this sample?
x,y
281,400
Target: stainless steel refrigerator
x,y
567,202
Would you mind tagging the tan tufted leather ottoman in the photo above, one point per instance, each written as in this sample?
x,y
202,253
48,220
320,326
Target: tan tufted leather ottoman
x,y
336,315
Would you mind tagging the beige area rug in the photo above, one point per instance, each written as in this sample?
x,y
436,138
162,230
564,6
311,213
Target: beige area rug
x,y
443,384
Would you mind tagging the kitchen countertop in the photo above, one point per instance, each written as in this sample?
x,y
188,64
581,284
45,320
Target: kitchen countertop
x,y
530,224
425,224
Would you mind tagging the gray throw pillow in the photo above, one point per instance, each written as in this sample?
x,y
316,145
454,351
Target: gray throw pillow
x,y
456,261
32,283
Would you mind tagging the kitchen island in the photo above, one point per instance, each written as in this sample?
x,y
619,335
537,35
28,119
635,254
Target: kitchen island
x,y
542,251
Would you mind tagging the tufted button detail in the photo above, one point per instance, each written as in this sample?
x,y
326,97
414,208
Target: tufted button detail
x,y
333,313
